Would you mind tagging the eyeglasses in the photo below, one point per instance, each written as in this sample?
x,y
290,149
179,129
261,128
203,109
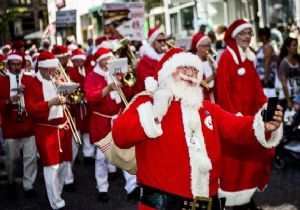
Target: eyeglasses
x,y
246,34
188,67
160,40
204,45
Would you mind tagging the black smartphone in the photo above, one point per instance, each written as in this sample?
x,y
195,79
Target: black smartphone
x,y
268,113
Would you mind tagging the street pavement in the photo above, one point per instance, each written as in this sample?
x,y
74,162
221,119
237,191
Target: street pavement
x,y
283,192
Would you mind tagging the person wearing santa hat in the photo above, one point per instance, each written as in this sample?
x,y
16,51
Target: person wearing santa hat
x,y
151,54
52,132
3,65
106,105
6,48
177,136
17,127
78,74
240,92
203,46
61,52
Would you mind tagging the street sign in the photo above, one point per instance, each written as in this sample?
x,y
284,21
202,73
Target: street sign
x,y
65,18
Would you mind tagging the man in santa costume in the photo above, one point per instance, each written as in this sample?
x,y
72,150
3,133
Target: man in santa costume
x,y
82,114
61,52
52,132
151,53
17,127
177,137
239,91
203,47
106,105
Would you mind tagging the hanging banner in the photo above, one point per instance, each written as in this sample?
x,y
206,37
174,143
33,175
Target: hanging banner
x,y
65,18
127,18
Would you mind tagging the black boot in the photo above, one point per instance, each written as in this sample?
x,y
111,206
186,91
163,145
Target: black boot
x,y
103,197
32,193
135,194
70,188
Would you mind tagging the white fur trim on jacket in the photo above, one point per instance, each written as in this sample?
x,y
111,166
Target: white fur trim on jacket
x,y
237,198
151,84
180,59
199,160
239,29
50,63
259,131
234,56
147,120
154,35
150,52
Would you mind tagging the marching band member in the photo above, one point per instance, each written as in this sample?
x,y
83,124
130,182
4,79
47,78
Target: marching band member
x,y
177,137
17,127
78,74
240,92
151,54
106,105
53,135
61,52
203,46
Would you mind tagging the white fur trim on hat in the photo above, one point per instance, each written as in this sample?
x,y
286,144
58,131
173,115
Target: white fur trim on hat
x,y
82,57
239,29
238,197
154,35
7,46
62,55
105,56
147,120
14,57
180,59
201,40
259,131
50,63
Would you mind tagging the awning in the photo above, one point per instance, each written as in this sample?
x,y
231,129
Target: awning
x,y
95,9
34,35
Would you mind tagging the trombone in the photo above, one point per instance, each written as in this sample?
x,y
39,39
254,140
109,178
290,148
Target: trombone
x,y
67,112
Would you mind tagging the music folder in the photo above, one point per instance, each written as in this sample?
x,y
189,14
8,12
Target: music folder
x,y
183,43
118,66
67,87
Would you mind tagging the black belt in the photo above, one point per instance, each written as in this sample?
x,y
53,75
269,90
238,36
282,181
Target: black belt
x,y
157,199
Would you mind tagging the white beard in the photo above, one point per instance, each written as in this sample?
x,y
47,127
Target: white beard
x,y
190,96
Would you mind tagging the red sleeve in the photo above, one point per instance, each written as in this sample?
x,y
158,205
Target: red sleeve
x,y
93,89
4,93
127,130
36,107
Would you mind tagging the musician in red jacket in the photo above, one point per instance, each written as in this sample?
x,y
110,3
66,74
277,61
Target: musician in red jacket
x,y
52,132
177,137
151,53
106,105
17,126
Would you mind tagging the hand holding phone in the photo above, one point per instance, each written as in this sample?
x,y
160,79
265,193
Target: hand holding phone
x,y
267,114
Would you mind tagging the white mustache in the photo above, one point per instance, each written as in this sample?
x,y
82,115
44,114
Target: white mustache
x,y
186,78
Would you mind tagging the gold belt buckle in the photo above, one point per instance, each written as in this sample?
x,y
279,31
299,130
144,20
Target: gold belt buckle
x,y
206,200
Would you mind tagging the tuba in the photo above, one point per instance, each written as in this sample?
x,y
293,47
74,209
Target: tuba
x,y
122,50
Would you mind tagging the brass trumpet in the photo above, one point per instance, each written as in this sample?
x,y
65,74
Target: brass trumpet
x,y
67,112
2,68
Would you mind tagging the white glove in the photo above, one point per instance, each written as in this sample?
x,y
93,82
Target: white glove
x,y
161,100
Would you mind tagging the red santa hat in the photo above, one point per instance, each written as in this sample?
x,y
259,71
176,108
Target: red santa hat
x,y
60,51
100,39
236,27
7,45
174,58
15,55
197,40
3,58
72,47
35,56
102,53
78,54
47,60
153,34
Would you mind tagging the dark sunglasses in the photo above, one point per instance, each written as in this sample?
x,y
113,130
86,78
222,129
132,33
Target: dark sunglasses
x,y
161,40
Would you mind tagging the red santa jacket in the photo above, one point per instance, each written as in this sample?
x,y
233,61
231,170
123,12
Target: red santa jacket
x,y
244,167
100,126
53,137
145,68
11,128
163,162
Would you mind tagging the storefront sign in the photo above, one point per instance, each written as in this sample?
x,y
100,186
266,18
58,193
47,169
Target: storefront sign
x,y
65,18
127,18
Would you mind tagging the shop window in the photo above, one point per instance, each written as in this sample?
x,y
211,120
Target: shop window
x,y
187,17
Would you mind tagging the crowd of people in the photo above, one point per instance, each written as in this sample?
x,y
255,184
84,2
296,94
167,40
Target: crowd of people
x,y
198,133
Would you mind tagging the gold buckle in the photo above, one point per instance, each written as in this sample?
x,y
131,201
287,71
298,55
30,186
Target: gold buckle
x,y
196,205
